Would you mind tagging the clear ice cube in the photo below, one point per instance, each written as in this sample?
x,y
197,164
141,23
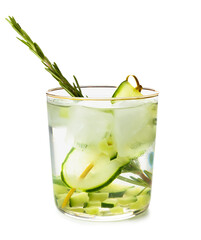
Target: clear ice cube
x,y
88,125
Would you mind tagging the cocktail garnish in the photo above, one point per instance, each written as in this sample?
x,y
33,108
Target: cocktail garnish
x,y
74,90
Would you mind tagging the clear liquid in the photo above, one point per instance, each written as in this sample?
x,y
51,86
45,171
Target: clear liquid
x,y
131,134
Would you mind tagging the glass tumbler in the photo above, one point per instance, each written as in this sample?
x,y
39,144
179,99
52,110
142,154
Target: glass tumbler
x,y
102,152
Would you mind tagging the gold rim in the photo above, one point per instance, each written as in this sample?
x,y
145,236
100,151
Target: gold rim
x,y
50,93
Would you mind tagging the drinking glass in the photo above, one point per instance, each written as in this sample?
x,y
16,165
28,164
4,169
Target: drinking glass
x,y
102,152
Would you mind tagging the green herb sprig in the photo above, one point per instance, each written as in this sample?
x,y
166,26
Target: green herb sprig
x,y
135,181
74,90
144,177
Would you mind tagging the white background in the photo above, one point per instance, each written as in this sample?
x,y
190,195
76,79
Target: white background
x,y
101,42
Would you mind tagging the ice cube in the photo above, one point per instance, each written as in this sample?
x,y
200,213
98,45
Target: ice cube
x,y
134,129
89,125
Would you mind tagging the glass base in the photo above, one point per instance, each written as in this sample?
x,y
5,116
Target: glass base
x,y
116,217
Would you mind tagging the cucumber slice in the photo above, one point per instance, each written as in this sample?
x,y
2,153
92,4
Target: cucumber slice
x,y
133,191
57,180
79,199
109,203
92,210
126,200
59,189
125,89
59,202
115,187
116,194
142,202
117,210
94,204
61,196
102,174
98,196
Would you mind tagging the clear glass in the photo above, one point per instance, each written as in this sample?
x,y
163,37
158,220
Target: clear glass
x,y
102,152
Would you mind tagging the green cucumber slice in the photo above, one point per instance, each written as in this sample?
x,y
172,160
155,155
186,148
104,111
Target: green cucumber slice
x,y
92,210
117,210
94,204
59,189
98,196
142,202
115,187
60,202
79,199
61,196
101,175
126,200
125,89
134,191
57,180
109,203
116,194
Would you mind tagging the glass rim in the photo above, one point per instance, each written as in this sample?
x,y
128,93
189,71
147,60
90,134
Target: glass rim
x,y
50,93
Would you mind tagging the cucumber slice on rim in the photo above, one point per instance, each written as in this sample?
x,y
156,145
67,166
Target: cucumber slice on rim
x,y
102,174
125,89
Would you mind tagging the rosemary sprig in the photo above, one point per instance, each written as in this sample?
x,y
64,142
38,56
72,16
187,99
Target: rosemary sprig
x,y
145,177
135,181
74,90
